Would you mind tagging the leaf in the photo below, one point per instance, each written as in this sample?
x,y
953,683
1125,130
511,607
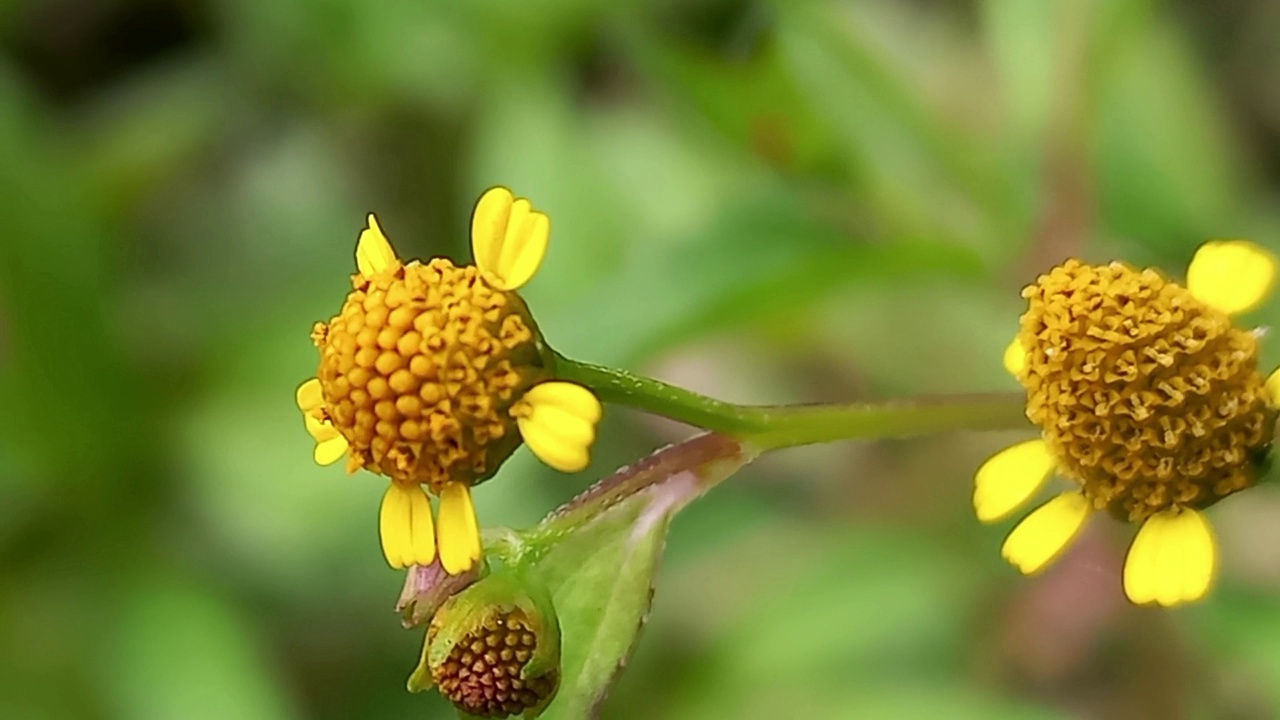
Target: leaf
x,y
602,591
597,556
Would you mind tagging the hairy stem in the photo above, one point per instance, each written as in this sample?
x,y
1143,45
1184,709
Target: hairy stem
x,y
777,426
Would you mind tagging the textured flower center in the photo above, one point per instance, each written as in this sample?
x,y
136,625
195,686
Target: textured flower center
x,y
482,675
420,369
1149,398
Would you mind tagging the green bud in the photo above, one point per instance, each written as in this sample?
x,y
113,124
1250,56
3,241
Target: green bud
x,y
494,648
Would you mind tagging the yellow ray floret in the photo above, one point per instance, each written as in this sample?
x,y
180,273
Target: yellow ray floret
x,y
1173,559
310,396
558,422
1015,358
330,445
1273,389
373,252
1010,478
1234,276
459,533
508,237
404,523
1044,534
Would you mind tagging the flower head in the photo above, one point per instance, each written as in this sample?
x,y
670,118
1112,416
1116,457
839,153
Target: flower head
x,y
430,374
1149,398
493,649
483,673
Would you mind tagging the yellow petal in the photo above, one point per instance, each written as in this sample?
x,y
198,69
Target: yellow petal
x,y
508,237
570,397
488,226
309,396
1140,562
1010,478
395,520
405,526
458,534
1234,276
319,429
1015,358
422,531
560,424
331,450
1173,559
1273,389
1044,534
373,251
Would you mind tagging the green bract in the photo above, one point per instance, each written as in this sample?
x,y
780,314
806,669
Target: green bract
x,y
591,563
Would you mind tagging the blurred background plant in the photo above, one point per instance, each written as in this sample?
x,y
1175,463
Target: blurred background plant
x,y
765,201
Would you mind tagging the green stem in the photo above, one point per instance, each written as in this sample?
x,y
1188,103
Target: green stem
x,y
778,426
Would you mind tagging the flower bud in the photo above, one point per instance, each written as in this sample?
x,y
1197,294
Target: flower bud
x,y
493,649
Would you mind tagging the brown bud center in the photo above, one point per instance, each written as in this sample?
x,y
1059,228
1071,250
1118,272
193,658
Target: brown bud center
x,y
482,675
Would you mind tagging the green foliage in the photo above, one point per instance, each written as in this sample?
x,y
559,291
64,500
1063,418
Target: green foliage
x,y
599,555
180,650
602,579
769,201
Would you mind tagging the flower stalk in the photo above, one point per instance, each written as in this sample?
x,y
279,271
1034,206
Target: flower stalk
x,y
770,427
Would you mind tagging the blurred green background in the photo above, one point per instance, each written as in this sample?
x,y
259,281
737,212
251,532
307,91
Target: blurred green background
x,y
782,201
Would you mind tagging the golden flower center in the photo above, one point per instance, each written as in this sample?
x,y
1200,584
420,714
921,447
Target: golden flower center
x,y
1148,397
482,675
420,369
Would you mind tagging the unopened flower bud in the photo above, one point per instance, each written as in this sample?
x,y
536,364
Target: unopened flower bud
x,y
493,649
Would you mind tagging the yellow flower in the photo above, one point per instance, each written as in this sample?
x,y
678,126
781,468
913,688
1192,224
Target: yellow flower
x,y
430,374
1149,398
